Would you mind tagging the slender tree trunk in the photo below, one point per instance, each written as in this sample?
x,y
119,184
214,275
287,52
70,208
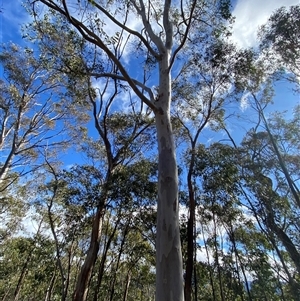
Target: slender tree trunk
x,y
217,260
190,233
239,264
24,269
85,274
22,276
125,295
295,288
244,276
70,258
195,270
102,263
6,293
286,241
271,222
293,187
294,284
270,235
112,291
169,275
59,263
50,287
211,278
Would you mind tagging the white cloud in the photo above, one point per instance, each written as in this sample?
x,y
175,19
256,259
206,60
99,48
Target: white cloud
x,y
250,15
244,104
29,224
202,255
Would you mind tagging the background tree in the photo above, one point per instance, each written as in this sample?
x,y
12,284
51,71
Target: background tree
x,y
201,92
33,110
281,36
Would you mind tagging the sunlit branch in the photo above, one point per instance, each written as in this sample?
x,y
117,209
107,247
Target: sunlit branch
x,y
155,39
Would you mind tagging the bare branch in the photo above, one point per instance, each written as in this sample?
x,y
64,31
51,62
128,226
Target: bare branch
x,y
124,27
187,29
102,131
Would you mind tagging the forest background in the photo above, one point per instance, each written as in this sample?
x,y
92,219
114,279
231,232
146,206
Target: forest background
x,y
79,161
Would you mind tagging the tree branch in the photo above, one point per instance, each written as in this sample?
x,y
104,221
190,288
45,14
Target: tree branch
x,y
187,29
168,26
91,37
133,32
116,76
154,38
294,189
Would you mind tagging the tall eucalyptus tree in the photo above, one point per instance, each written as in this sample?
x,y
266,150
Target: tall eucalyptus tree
x,y
157,33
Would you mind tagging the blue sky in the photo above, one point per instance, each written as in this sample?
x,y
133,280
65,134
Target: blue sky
x,y
249,14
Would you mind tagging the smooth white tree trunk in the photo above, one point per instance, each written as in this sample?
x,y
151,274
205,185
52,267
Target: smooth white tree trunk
x,y
169,274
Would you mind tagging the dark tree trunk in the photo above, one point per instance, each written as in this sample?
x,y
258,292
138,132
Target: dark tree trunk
x,y
85,274
190,235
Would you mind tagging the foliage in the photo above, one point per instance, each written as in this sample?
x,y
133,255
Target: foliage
x,y
281,35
